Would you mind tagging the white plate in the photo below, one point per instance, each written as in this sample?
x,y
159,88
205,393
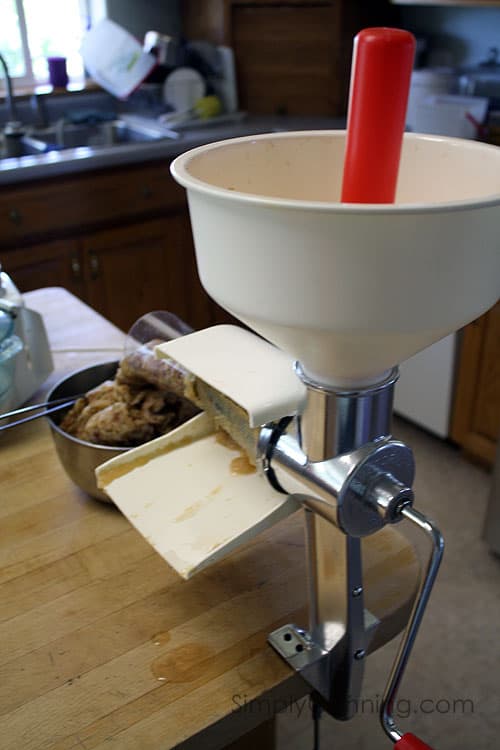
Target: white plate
x,y
183,88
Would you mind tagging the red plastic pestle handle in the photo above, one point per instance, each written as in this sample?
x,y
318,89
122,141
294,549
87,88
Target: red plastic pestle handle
x,y
409,742
380,81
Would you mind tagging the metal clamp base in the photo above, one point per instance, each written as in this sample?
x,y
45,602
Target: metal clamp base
x,y
296,646
316,664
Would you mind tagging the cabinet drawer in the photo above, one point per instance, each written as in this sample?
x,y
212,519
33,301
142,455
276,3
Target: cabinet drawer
x,y
58,206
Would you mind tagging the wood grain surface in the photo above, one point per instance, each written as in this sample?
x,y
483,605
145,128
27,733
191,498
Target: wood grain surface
x,y
475,422
102,645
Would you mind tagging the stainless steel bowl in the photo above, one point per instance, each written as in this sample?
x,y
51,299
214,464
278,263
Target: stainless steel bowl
x,y
78,457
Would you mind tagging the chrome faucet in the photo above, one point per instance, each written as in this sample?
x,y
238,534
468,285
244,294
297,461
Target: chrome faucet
x,y
13,129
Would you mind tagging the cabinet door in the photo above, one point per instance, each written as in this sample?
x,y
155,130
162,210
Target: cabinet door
x,y
476,409
133,270
46,264
290,57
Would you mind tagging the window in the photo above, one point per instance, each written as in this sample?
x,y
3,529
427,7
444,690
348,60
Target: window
x,y
32,30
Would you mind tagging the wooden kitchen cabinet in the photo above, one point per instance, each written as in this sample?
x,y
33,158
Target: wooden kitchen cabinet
x,y
120,239
292,57
71,205
475,424
133,270
288,58
57,263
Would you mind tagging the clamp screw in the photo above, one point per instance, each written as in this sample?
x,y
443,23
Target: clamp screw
x,y
357,591
359,654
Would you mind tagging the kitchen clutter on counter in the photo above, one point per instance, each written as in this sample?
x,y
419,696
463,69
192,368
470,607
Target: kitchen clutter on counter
x,y
435,107
194,80
456,101
150,92
165,94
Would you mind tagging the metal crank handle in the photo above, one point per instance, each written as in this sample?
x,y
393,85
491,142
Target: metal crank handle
x,y
408,741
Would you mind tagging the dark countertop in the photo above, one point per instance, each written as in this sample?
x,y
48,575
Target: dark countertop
x,y
84,159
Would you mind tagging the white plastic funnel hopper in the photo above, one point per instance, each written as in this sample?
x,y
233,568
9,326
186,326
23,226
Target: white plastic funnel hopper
x,y
348,289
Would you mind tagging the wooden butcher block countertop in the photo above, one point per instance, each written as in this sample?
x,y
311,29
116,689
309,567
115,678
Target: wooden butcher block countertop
x,y
102,645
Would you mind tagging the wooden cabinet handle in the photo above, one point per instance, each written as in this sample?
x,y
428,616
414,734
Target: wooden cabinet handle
x,y
94,266
15,216
76,268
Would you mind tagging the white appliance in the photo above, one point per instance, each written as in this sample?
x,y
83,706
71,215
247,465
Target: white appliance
x,y
424,391
25,357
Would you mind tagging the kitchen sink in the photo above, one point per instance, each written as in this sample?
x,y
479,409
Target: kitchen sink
x,y
66,135
72,135
21,146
